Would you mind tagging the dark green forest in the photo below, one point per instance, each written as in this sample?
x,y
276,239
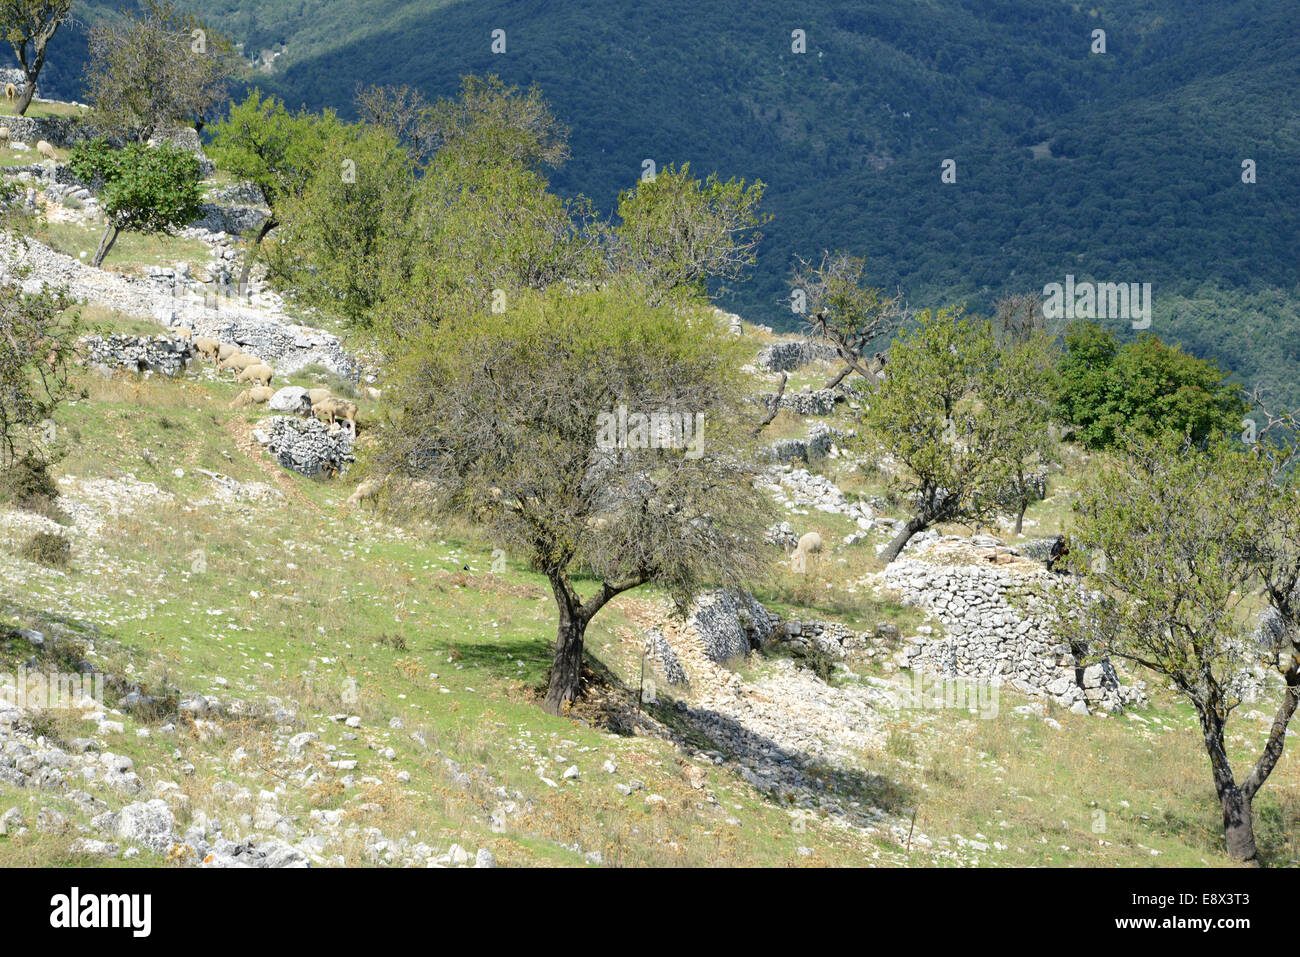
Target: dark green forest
x,y
1123,166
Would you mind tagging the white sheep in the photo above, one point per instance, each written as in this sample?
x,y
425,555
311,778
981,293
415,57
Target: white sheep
x,y
255,396
238,362
225,350
365,491
183,332
208,348
333,409
11,91
261,374
810,543
45,149
4,136
318,395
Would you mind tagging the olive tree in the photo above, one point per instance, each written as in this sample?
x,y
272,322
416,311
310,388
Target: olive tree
x,y
841,309
149,73
29,26
1183,536
934,414
594,437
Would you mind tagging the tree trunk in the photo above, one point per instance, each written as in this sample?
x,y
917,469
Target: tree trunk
x,y
914,524
1238,825
105,244
268,224
1020,517
566,671
25,97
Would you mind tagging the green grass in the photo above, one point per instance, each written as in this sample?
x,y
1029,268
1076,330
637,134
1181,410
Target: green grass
x,y
131,253
298,598
37,109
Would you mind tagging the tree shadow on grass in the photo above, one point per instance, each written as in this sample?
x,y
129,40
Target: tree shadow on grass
x,y
791,778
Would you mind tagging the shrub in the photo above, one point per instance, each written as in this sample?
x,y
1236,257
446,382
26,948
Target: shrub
x,y
47,548
28,485
815,659
1145,387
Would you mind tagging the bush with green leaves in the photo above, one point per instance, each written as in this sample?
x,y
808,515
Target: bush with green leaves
x,y
146,189
47,548
1106,390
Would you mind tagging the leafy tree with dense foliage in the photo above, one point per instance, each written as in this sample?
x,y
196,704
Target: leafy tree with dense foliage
x,y
29,26
675,231
262,142
146,189
336,233
942,414
1146,386
1183,535
503,412
149,73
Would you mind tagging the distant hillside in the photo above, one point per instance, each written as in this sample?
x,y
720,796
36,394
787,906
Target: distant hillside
x,y
1124,166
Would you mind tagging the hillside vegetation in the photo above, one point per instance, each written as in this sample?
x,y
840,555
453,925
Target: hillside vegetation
x,y
404,507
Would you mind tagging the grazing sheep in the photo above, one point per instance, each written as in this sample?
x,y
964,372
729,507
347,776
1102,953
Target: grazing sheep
x,y
4,135
225,351
372,394
208,348
183,332
333,409
11,91
254,396
365,491
45,149
810,543
318,395
239,362
260,374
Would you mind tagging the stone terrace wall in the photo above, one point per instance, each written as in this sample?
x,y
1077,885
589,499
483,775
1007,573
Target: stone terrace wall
x,y
996,629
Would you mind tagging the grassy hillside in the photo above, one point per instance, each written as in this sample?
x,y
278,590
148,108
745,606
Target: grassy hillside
x,y
302,602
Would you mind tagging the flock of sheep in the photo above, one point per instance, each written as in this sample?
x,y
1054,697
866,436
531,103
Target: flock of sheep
x,y
258,374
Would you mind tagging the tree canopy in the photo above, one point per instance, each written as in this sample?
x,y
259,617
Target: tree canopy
x,y
1107,389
